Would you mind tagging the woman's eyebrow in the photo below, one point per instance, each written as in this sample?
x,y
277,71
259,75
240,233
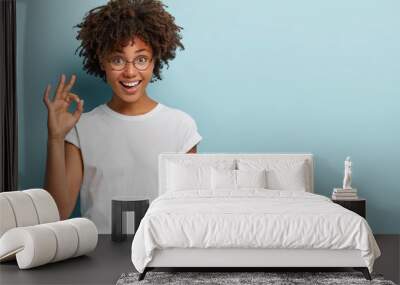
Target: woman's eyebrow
x,y
140,50
137,51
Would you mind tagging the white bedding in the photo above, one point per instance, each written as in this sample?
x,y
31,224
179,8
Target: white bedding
x,y
250,218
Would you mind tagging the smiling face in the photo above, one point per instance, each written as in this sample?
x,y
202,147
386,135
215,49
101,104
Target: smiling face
x,y
129,82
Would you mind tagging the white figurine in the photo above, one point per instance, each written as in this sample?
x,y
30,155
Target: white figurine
x,y
347,174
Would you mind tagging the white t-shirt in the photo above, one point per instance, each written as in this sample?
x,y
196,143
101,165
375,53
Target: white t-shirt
x,y
120,154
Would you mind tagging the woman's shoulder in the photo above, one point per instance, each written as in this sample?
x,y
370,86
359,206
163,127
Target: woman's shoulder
x,y
87,118
173,112
96,111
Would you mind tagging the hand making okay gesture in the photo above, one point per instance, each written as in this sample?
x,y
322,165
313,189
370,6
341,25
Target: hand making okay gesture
x,y
59,120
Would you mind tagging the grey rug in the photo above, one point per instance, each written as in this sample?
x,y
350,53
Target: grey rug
x,y
269,278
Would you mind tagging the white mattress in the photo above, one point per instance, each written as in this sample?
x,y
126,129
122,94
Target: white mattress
x,y
250,218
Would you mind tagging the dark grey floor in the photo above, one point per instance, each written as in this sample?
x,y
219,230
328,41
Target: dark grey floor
x,y
389,262
110,260
102,266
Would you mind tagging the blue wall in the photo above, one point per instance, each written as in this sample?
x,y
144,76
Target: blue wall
x,y
265,76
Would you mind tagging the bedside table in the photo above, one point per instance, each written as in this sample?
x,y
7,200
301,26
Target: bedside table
x,y
121,204
358,206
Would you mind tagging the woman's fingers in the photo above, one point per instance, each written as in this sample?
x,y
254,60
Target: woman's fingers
x,y
79,106
78,111
46,96
71,83
60,87
71,96
63,97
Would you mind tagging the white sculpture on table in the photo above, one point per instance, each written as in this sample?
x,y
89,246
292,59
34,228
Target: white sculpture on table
x,y
347,174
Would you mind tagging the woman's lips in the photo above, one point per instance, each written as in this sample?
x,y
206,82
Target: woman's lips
x,y
128,89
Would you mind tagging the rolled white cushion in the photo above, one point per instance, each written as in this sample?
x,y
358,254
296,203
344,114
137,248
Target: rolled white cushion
x,y
87,235
23,208
26,208
46,207
67,240
33,246
7,218
37,245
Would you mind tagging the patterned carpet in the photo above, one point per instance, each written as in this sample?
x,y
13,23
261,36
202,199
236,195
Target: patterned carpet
x,y
243,278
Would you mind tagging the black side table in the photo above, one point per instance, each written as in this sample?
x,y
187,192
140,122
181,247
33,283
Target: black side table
x,y
357,205
122,204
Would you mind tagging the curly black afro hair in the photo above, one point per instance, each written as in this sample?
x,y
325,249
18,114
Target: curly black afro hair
x,y
110,27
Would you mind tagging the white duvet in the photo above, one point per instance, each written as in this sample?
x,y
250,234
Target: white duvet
x,y
251,218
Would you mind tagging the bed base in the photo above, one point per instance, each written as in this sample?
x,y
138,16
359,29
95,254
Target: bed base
x,y
250,259
364,270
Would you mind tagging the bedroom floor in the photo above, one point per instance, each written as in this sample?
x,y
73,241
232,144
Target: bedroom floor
x,y
389,262
110,260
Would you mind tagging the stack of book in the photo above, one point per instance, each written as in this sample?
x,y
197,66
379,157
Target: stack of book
x,y
344,194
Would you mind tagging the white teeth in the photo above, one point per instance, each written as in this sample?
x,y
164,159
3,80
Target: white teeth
x,y
131,84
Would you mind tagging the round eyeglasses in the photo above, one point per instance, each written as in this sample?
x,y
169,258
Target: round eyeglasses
x,y
118,63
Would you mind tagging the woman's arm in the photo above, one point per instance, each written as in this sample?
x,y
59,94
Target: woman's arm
x,y
193,149
64,167
64,174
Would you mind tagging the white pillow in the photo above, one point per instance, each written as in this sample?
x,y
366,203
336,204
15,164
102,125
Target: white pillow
x,y
281,174
188,177
237,179
186,174
223,179
251,178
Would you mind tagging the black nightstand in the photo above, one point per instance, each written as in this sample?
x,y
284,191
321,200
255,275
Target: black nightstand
x,y
358,206
122,204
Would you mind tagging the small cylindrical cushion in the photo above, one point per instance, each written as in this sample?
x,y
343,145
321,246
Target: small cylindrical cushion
x,y
87,234
67,239
23,208
33,246
45,205
37,245
7,218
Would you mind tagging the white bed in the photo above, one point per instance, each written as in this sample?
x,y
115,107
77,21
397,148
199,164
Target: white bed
x,y
201,220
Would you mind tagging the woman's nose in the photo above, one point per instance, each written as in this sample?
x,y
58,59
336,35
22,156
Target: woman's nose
x,y
130,70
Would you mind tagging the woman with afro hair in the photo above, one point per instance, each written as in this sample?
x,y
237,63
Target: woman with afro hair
x,y
113,149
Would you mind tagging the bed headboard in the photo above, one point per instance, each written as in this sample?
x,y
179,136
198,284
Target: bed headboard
x,y
164,158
